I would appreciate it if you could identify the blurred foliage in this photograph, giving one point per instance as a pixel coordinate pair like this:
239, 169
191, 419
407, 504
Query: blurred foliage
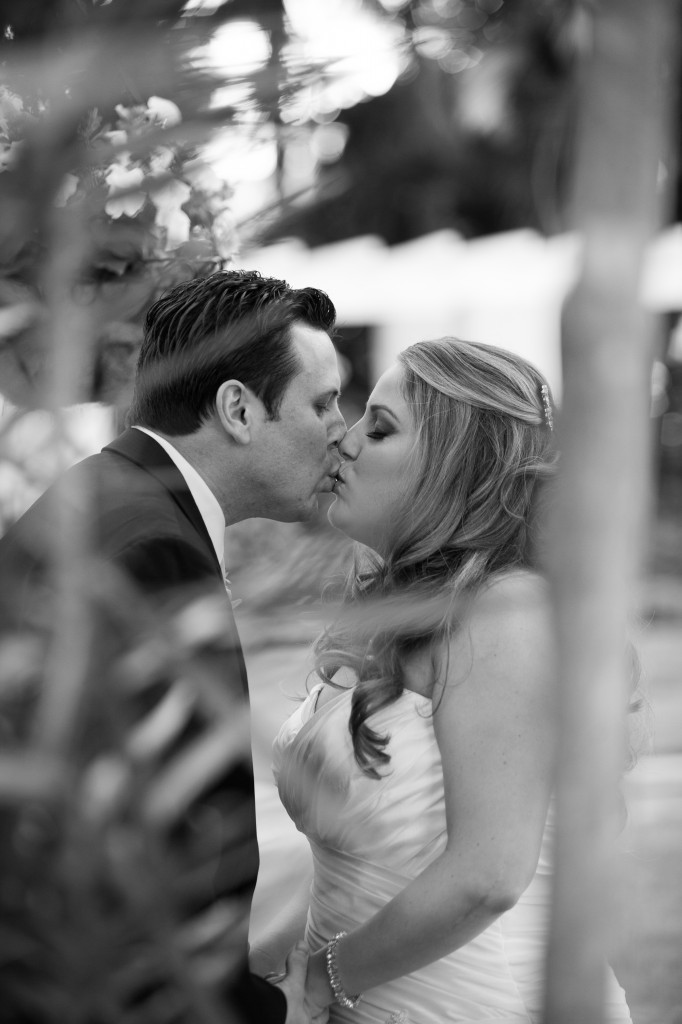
278, 573
666, 547
113, 832
156, 215
115, 722
105, 109
475, 135
72, 153
104, 113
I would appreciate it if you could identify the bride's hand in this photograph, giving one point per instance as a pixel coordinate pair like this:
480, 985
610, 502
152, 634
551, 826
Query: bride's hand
319, 994
293, 984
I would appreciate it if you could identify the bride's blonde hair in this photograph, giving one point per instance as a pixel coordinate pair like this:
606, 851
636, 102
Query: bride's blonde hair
469, 513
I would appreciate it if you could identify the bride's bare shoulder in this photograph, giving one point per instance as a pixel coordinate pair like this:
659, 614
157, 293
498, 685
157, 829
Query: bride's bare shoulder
515, 593
508, 611
512, 610
505, 635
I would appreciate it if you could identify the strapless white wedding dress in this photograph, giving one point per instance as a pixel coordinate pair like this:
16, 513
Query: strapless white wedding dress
370, 838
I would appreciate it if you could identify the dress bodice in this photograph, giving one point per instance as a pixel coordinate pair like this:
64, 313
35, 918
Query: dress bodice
336, 804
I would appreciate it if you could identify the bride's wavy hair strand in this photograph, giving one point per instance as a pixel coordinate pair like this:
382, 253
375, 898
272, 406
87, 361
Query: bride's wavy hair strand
483, 447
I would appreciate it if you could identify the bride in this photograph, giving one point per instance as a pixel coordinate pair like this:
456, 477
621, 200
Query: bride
419, 767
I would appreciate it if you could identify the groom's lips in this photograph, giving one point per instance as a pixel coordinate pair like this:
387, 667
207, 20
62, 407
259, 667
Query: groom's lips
331, 479
335, 476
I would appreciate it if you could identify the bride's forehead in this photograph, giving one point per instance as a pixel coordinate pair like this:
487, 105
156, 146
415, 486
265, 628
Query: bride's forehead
389, 386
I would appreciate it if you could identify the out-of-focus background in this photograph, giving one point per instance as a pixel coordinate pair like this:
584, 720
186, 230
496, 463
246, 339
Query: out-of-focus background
413, 158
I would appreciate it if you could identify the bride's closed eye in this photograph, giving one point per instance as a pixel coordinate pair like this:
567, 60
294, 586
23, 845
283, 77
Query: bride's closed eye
377, 430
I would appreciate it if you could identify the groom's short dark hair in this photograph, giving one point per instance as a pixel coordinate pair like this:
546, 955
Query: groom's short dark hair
233, 324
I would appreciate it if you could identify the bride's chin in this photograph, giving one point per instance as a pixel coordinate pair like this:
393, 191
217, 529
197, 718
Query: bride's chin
349, 530
332, 511
337, 520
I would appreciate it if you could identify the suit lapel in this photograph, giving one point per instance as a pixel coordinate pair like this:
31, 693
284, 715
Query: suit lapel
143, 450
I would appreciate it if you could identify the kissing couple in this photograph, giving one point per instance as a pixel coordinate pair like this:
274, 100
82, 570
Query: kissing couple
420, 764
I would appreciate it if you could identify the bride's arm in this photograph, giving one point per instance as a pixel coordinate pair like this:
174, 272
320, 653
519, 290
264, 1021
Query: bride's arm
493, 726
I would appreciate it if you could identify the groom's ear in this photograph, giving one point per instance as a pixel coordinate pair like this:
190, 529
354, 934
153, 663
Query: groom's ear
234, 405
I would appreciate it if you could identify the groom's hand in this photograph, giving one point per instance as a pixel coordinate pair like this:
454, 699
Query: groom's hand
293, 986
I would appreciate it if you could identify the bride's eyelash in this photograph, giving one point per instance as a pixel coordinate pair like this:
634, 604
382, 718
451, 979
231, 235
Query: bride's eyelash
376, 435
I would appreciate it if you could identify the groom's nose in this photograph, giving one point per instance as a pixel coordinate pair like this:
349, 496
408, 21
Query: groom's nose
338, 431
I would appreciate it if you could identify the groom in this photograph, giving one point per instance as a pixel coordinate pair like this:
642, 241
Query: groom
234, 415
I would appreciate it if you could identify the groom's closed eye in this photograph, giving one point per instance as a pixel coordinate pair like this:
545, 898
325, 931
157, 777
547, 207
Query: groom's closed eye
325, 401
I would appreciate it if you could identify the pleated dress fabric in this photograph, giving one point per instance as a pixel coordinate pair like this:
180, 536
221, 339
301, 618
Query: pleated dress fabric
370, 838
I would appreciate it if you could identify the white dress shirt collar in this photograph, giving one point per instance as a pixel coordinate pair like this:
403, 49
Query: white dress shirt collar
205, 499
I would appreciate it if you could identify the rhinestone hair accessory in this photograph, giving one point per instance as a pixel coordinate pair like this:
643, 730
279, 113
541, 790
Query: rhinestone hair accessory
547, 407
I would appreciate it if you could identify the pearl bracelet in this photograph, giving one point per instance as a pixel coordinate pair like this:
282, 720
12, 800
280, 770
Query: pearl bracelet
342, 997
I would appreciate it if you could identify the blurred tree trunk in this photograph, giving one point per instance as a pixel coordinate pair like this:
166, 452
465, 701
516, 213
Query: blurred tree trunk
598, 526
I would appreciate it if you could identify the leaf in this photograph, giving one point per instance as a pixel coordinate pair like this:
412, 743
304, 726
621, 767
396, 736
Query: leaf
91, 124
197, 768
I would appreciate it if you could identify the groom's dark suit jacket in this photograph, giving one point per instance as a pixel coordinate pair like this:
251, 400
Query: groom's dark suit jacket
142, 519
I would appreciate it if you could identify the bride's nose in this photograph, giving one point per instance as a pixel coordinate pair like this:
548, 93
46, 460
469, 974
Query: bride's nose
349, 445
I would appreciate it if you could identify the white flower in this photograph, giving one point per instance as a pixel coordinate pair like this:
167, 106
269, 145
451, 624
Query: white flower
177, 225
203, 176
164, 111
10, 105
117, 137
168, 199
161, 159
66, 189
121, 178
